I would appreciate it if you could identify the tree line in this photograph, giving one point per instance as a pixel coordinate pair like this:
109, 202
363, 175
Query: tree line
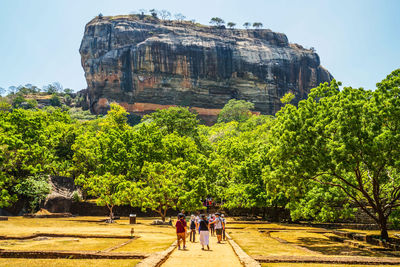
335, 151
166, 15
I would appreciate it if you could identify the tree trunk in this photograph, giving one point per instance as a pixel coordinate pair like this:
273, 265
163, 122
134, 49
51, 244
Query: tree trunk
164, 215
110, 208
263, 216
276, 213
383, 228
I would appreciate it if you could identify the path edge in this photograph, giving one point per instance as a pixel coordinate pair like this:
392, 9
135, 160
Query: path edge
158, 258
244, 258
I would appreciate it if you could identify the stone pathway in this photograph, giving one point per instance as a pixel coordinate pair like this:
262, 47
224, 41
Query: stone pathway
219, 255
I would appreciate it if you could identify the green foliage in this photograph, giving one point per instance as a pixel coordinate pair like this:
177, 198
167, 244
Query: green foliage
236, 110
153, 12
217, 21
18, 100
175, 119
165, 185
345, 139
31, 104
236, 164
55, 100
81, 115
76, 196
337, 150
35, 188
257, 25
4, 104
247, 25
30, 142
231, 25
287, 98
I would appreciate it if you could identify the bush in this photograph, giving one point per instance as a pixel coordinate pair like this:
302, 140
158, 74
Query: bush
55, 101
35, 189
76, 196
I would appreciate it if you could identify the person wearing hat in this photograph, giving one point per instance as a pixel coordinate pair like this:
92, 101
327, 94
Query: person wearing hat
219, 226
181, 229
204, 234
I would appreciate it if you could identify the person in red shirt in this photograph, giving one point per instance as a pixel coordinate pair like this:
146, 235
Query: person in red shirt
181, 230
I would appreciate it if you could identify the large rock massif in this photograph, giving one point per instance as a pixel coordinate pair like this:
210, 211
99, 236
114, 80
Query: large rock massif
145, 64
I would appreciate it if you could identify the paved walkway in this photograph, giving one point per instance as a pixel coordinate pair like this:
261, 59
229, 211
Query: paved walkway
219, 255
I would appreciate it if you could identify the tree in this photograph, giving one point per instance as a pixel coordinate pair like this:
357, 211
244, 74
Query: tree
35, 188
12, 89
179, 17
170, 184
153, 13
175, 119
231, 25
236, 164
247, 25
257, 25
142, 13
236, 110
26, 149
17, 101
55, 100
68, 91
217, 21
105, 188
345, 139
53, 88
31, 104
105, 156
2, 91
164, 14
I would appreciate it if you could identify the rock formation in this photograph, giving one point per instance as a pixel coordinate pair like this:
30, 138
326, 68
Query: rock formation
145, 64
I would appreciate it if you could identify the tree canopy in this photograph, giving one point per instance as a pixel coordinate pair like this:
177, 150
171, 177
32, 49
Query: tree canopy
333, 153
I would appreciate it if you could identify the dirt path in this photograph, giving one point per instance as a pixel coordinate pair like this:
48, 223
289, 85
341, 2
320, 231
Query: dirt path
219, 255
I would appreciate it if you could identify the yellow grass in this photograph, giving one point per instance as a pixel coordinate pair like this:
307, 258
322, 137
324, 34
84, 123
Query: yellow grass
151, 238
256, 243
65, 243
300, 241
321, 244
66, 263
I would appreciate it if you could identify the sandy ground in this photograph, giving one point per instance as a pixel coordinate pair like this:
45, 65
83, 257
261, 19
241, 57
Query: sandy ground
219, 255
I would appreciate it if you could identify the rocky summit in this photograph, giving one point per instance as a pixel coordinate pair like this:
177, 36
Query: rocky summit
145, 64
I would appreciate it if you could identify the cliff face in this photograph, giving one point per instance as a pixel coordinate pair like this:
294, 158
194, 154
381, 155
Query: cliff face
145, 65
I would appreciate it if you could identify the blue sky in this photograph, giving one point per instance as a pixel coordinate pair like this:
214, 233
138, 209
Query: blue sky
358, 41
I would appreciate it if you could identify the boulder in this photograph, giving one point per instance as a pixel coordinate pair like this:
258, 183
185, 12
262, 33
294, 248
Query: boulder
146, 65
60, 198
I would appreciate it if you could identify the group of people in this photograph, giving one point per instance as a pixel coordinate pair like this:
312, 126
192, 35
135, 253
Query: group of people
202, 224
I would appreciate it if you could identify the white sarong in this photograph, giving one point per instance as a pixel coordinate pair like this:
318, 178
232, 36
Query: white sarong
204, 238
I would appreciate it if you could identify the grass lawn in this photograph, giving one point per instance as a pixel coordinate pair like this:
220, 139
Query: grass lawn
290, 240
150, 238
67, 263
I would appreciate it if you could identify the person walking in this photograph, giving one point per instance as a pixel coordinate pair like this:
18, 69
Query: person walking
204, 233
212, 226
193, 227
224, 222
219, 226
181, 230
